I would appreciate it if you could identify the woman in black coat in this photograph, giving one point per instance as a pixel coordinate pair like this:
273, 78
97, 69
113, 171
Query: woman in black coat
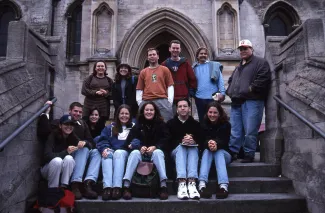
124, 88
216, 130
147, 139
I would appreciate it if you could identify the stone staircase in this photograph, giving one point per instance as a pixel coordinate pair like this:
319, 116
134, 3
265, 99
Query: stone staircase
254, 188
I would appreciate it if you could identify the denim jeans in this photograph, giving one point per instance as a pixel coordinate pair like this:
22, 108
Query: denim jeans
56, 168
186, 160
201, 106
81, 156
158, 158
113, 168
221, 159
245, 121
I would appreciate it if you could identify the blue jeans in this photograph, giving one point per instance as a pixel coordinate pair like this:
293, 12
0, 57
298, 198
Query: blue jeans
201, 106
245, 121
158, 158
186, 160
113, 168
221, 159
81, 156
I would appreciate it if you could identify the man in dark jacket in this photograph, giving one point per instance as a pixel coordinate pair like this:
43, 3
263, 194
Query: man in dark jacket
185, 137
182, 72
248, 87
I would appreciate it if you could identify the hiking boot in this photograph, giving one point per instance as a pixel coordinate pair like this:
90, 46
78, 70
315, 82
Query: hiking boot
107, 195
163, 195
127, 194
234, 156
75, 190
247, 159
221, 193
182, 191
194, 194
204, 193
89, 193
116, 194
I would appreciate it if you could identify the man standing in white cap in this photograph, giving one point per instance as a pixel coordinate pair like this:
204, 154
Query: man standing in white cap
248, 87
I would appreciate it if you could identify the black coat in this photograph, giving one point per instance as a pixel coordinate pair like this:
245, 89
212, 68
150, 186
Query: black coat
56, 145
178, 130
156, 134
217, 132
129, 94
250, 81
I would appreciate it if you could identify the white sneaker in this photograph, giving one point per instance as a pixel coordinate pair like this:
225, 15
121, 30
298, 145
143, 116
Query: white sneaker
182, 191
194, 194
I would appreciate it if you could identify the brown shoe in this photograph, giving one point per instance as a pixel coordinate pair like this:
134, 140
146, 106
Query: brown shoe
89, 193
163, 195
107, 194
75, 190
127, 194
116, 194
221, 193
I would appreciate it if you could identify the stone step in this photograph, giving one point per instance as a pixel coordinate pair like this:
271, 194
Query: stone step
255, 169
255, 185
243, 203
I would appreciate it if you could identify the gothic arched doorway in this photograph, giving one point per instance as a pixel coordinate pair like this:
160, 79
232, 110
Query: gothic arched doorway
157, 29
161, 43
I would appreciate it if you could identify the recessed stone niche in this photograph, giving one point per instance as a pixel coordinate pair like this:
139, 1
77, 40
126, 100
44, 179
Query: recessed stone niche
102, 29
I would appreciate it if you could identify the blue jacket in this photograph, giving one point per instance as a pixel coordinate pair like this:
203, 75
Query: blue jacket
108, 140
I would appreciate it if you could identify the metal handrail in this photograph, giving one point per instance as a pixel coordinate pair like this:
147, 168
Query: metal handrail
22, 127
303, 119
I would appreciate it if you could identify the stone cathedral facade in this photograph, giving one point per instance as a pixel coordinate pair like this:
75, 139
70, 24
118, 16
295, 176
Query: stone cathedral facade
80, 32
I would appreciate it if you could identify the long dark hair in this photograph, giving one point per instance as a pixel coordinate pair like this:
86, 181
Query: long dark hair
118, 76
87, 117
118, 126
223, 117
157, 116
94, 68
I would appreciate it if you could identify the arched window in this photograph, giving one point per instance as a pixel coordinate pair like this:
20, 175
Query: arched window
74, 16
8, 12
280, 19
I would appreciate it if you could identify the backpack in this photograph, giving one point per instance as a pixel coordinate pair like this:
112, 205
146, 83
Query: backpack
145, 181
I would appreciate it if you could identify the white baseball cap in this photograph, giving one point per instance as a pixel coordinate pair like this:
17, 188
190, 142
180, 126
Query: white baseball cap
245, 43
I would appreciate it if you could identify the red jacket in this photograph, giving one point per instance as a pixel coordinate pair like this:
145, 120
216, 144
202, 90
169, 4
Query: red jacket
184, 78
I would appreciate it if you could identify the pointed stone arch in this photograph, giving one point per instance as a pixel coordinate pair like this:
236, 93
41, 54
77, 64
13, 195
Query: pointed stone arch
284, 13
162, 20
12, 5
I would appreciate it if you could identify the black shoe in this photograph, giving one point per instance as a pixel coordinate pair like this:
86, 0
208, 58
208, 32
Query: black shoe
234, 156
247, 159
204, 193
127, 195
163, 194
75, 190
221, 193
89, 193
107, 194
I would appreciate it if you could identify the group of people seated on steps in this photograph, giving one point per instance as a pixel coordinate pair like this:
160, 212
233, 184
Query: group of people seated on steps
152, 120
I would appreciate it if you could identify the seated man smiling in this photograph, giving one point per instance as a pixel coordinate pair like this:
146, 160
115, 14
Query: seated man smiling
185, 137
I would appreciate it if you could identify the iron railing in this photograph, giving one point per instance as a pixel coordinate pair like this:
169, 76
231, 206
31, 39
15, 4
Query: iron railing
23, 126
300, 117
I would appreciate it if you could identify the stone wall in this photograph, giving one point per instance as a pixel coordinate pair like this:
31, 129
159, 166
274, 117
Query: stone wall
298, 78
23, 90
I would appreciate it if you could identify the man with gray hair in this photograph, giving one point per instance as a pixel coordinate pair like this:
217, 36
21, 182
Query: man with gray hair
209, 81
248, 87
